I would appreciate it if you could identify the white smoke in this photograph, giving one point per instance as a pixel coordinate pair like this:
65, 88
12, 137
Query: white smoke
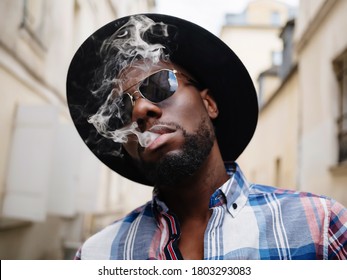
126, 46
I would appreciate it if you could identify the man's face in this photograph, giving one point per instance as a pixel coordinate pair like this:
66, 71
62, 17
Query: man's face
184, 126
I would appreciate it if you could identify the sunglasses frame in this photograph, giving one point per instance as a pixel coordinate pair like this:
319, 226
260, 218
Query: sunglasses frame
139, 94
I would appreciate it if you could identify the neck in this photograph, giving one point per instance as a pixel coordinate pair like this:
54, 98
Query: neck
190, 198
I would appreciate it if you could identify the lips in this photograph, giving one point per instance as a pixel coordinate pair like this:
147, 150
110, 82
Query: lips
162, 129
163, 133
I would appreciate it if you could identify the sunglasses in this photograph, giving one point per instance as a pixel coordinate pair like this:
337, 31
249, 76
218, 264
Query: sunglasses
155, 88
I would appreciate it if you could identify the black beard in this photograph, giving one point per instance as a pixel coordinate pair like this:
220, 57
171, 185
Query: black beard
172, 169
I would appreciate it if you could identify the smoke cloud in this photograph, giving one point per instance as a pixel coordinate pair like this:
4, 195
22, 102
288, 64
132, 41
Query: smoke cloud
130, 43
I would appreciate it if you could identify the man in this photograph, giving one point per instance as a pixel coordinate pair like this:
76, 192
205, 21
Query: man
165, 103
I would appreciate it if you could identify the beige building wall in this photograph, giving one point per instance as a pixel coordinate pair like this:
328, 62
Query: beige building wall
263, 12
296, 142
255, 39
320, 40
242, 40
271, 157
269, 88
53, 191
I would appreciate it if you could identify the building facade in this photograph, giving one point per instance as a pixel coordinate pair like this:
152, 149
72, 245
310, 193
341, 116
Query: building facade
300, 142
254, 35
321, 46
53, 191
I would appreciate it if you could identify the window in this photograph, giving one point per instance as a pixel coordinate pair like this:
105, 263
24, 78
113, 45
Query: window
276, 58
340, 65
275, 18
34, 22
28, 175
49, 171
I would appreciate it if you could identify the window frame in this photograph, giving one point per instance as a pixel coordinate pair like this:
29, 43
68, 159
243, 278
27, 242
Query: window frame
340, 68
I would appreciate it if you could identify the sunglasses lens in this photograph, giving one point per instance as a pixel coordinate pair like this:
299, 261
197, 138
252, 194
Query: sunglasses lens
159, 86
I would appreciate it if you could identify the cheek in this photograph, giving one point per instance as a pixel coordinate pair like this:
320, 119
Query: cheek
186, 109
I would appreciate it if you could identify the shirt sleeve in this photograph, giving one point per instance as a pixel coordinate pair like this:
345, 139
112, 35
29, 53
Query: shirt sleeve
337, 233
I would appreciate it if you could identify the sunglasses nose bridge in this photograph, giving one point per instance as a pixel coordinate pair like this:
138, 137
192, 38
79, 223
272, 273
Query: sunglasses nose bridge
134, 96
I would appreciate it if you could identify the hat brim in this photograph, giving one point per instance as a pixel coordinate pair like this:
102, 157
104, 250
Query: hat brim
200, 53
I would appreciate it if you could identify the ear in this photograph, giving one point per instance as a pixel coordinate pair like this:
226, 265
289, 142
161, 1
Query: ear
210, 103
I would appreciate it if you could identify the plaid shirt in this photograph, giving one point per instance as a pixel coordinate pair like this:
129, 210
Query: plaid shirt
247, 222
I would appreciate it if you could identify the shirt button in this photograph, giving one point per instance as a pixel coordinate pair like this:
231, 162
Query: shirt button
234, 206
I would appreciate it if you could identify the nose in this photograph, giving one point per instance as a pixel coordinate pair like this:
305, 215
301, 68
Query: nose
145, 113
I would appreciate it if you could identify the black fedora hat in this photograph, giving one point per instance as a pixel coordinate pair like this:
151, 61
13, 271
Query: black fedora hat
200, 53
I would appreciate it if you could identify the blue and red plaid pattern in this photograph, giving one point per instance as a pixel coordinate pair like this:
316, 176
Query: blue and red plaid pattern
248, 222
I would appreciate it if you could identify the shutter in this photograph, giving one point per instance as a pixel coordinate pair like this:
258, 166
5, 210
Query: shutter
30, 163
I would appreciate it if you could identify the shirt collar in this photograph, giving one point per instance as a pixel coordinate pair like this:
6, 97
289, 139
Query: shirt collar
235, 190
